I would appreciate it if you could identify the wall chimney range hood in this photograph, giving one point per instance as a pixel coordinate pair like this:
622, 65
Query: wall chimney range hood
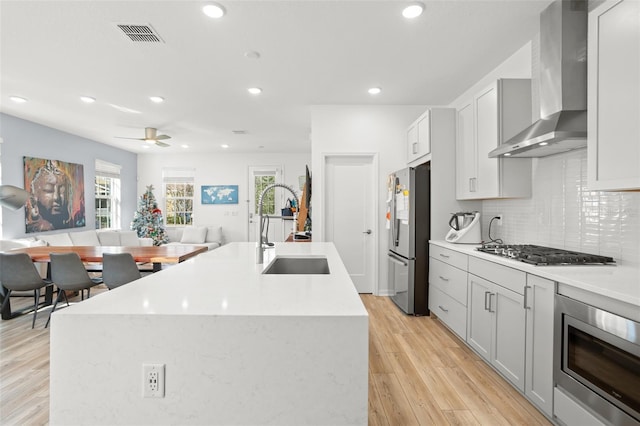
563, 86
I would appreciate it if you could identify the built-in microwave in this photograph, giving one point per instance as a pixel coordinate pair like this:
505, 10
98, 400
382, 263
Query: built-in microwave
597, 360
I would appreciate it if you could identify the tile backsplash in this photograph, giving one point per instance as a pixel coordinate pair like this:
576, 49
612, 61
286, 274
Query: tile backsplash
563, 213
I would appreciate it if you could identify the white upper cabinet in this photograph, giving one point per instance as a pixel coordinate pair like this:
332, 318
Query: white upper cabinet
419, 138
614, 96
493, 116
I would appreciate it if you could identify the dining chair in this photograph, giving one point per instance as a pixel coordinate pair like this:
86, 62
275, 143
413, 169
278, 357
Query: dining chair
119, 269
18, 273
69, 274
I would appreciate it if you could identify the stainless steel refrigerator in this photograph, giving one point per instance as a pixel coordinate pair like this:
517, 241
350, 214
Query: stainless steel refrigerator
409, 232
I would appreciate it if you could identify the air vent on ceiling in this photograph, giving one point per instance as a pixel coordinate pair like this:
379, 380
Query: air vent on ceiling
239, 132
140, 33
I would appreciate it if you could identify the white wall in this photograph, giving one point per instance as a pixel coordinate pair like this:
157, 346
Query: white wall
220, 169
361, 129
518, 65
25, 138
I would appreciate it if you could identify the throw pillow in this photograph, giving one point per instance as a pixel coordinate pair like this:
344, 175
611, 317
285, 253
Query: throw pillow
109, 238
129, 238
194, 235
85, 238
214, 234
57, 239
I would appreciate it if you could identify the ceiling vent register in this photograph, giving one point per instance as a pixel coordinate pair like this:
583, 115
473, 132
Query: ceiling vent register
140, 33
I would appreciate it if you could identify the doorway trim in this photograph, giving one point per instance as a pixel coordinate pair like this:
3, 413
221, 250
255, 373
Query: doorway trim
375, 201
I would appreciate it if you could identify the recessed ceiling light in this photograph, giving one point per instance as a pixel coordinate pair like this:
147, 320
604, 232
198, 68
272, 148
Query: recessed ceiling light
18, 99
156, 99
252, 55
87, 99
254, 90
543, 143
224, 145
213, 10
374, 90
413, 10
185, 146
508, 154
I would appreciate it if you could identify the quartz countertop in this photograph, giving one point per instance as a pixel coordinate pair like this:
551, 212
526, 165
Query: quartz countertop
227, 281
619, 282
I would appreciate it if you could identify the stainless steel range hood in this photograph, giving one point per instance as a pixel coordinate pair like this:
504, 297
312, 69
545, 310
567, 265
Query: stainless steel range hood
563, 85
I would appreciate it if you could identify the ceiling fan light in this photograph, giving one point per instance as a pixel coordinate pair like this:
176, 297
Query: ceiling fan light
413, 10
213, 10
150, 141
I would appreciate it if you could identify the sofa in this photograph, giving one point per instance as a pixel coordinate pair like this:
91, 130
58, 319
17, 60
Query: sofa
210, 236
93, 237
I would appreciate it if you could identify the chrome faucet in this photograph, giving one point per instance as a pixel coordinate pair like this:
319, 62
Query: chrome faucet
260, 247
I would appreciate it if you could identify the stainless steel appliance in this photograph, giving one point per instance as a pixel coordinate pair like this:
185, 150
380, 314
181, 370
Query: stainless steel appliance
409, 238
563, 85
597, 360
539, 255
465, 228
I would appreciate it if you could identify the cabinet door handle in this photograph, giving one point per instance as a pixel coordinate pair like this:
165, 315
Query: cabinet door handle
487, 301
470, 184
415, 147
443, 309
443, 278
444, 255
526, 293
490, 296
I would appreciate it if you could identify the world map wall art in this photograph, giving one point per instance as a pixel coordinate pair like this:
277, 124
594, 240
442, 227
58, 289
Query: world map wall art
219, 194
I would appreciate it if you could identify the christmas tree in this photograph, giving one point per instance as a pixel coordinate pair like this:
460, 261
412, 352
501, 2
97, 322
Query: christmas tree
147, 221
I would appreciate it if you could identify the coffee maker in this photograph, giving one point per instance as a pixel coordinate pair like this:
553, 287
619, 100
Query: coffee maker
465, 228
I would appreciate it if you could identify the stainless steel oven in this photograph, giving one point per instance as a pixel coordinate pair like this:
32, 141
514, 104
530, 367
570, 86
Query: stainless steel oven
597, 360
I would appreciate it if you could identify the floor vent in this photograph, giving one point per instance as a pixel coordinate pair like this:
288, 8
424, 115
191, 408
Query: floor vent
140, 33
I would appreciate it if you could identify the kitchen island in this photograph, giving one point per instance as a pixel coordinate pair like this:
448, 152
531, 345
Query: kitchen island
238, 346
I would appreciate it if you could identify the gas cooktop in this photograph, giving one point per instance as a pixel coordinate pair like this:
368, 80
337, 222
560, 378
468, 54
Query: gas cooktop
538, 255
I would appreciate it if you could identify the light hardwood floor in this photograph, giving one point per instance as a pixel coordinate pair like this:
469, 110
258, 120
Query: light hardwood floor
419, 374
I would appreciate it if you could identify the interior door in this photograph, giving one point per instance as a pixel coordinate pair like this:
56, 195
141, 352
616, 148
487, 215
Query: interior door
350, 215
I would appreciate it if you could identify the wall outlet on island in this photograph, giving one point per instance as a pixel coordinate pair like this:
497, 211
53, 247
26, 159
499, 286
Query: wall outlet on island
153, 380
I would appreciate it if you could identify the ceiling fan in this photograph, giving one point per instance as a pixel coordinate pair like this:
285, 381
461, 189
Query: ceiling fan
151, 136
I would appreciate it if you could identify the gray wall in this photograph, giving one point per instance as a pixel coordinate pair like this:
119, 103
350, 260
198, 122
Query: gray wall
25, 138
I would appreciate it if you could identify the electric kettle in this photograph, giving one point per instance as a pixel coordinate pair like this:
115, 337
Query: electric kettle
465, 228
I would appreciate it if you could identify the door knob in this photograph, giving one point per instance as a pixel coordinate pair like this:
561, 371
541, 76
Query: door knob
368, 231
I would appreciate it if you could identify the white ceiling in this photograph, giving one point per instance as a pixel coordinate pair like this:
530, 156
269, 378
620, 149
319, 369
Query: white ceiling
312, 53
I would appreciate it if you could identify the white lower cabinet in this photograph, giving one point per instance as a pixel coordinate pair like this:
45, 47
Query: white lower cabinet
506, 315
539, 304
495, 327
448, 288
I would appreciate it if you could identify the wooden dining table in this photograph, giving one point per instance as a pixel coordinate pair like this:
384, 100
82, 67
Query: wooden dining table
156, 255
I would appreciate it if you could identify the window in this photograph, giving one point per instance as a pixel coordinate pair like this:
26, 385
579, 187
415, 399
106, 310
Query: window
178, 196
269, 201
107, 195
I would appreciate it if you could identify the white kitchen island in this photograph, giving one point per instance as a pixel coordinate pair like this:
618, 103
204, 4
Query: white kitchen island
239, 347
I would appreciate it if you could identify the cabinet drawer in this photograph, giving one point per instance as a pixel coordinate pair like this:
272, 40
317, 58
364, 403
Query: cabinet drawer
450, 312
509, 278
451, 257
449, 279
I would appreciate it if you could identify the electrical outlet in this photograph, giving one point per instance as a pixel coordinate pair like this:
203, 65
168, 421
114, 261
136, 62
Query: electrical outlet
153, 380
499, 219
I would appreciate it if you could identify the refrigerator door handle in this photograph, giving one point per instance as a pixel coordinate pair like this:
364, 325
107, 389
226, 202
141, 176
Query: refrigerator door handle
397, 261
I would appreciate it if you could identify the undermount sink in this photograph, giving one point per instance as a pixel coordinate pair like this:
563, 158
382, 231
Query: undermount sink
298, 265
